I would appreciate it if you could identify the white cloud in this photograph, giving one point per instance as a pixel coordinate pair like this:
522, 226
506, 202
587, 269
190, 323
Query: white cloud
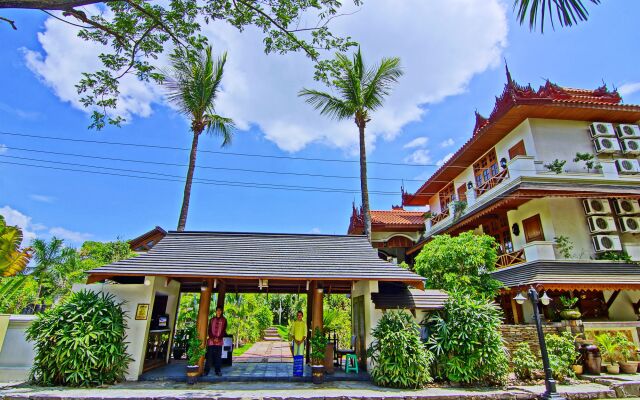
447, 143
16, 218
71, 236
444, 159
439, 59
42, 198
629, 88
420, 156
417, 142
18, 112
3, 148
315, 231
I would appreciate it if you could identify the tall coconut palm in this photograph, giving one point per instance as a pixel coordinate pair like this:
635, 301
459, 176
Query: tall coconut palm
193, 84
567, 12
51, 265
360, 91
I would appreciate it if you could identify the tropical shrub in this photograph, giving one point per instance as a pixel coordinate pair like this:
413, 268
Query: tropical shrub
195, 348
524, 362
466, 341
400, 359
562, 355
318, 344
460, 264
626, 347
337, 318
609, 348
16, 293
556, 166
81, 342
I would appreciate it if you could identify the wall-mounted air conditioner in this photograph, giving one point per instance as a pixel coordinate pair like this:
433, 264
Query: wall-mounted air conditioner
629, 224
596, 206
630, 146
628, 131
626, 206
606, 145
598, 129
601, 224
628, 166
606, 243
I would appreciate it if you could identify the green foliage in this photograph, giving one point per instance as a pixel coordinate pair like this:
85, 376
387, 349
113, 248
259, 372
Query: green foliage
81, 342
614, 256
556, 166
524, 362
96, 254
458, 208
564, 245
460, 264
566, 12
568, 303
337, 318
289, 304
318, 344
589, 159
248, 315
399, 357
626, 347
195, 348
13, 259
16, 293
562, 354
609, 347
467, 342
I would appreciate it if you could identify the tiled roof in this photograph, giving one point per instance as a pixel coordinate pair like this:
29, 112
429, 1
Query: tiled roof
397, 296
397, 217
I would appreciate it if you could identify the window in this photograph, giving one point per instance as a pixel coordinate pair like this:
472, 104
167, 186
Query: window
446, 196
462, 192
533, 229
486, 167
517, 150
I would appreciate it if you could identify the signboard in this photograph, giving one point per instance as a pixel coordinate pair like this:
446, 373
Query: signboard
142, 311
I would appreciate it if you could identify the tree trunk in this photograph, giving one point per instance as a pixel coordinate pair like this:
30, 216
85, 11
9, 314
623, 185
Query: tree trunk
182, 222
363, 182
48, 4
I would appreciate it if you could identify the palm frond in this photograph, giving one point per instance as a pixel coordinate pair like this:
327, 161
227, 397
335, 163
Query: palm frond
566, 12
328, 105
221, 126
379, 82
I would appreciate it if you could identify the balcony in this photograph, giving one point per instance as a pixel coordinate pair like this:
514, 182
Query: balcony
493, 182
440, 217
509, 259
534, 251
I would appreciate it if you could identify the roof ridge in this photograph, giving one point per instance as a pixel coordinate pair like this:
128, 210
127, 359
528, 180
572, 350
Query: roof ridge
230, 233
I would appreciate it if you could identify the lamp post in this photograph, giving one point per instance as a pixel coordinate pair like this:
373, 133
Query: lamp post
549, 382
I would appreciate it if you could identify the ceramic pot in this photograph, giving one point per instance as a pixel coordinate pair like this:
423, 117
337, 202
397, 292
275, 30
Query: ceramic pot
572, 314
613, 369
628, 367
193, 371
578, 369
317, 374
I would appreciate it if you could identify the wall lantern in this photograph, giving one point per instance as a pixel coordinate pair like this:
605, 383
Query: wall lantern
503, 163
469, 185
515, 229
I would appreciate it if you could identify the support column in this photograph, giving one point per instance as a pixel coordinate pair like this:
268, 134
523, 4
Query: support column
203, 316
514, 308
316, 322
222, 291
312, 287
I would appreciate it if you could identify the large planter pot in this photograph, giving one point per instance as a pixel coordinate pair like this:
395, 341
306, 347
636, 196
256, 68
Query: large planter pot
178, 353
317, 374
193, 371
572, 314
613, 369
577, 369
628, 367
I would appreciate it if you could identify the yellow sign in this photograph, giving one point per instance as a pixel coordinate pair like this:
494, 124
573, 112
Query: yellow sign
141, 311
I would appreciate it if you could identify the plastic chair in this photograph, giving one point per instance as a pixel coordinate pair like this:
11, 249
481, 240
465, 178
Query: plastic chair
351, 363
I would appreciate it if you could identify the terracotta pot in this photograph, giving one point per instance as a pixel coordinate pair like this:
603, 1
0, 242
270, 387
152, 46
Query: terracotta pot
317, 374
193, 371
613, 369
572, 314
628, 367
578, 369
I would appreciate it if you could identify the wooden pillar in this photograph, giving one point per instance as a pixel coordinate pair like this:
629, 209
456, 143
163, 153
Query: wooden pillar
312, 286
222, 291
203, 316
514, 308
316, 321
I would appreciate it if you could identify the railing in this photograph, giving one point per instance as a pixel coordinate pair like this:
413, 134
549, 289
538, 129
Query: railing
439, 217
509, 259
493, 182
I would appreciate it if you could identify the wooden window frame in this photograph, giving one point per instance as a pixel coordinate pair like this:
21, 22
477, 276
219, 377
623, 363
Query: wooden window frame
526, 221
517, 149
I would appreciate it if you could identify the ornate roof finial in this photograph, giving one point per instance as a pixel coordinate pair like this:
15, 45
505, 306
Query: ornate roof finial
480, 122
506, 67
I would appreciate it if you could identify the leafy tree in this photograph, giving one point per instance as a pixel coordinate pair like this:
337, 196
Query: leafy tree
566, 12
97, 254
52, 262
361, 91
399, 357
524, 362
16, 293
562, 354
193, 84
248, 315
337, 318
13, 259
460, 264
135, 33
467, 342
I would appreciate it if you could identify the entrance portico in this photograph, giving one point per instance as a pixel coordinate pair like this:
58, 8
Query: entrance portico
221, 262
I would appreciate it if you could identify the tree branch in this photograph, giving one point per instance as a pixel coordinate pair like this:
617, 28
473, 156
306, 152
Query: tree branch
157, 21
83, 17
48, 4
67, 22
10, 22
134, 50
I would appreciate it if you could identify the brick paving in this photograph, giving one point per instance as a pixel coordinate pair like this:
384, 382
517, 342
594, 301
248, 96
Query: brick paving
267, 351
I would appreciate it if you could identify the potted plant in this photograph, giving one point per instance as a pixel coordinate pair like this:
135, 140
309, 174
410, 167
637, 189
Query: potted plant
556, 166
318, 347
195, 350
577, 366
569, 310
626, 349
179, 344
610, 352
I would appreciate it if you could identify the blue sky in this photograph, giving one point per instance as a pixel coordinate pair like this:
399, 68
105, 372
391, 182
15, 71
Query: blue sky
453, 57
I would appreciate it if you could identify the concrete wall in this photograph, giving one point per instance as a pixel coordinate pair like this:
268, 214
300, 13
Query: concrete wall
622, 308
562, 140
16, 354
529, 209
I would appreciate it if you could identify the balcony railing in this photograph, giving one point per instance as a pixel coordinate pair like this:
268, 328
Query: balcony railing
509, 259
440, 217
493, 182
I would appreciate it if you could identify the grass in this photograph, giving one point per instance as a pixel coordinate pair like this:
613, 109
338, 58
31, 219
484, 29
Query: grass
240, 350
283, 331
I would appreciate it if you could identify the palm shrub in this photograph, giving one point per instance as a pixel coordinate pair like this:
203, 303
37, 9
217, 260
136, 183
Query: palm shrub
400, 359
318, 344
562, 354
81, 342
467, 342
524, 362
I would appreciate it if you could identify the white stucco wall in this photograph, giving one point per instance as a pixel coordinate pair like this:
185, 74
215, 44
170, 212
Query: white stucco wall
520, 132
16, 354
622, 309
529, 209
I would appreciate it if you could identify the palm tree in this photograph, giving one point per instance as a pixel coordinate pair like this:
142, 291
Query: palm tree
13, 259
52, 260
360, 91
193, 84
567, 12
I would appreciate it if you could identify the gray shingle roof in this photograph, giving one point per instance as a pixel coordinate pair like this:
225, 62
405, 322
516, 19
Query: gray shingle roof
570, 273
261, 255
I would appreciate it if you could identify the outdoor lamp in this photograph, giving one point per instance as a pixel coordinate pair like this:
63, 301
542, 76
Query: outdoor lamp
469, 185
545, 299
503, 163
147, 282
520, 299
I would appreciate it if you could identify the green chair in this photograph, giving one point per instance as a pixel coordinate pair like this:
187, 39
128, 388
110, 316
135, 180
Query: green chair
351, 363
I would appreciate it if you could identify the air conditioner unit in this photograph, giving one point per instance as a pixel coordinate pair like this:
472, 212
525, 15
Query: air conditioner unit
628, 131
628, 166
598, 129
603, 243
629, 224
596, 206
601, 224
606, 145
626, 206
630, 146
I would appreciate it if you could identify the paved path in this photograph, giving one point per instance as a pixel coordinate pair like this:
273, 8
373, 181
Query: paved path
271, 351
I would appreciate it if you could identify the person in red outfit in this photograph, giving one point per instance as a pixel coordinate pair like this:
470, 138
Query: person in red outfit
217, 331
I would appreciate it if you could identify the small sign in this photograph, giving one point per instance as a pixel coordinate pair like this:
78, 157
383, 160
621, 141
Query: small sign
142, 311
